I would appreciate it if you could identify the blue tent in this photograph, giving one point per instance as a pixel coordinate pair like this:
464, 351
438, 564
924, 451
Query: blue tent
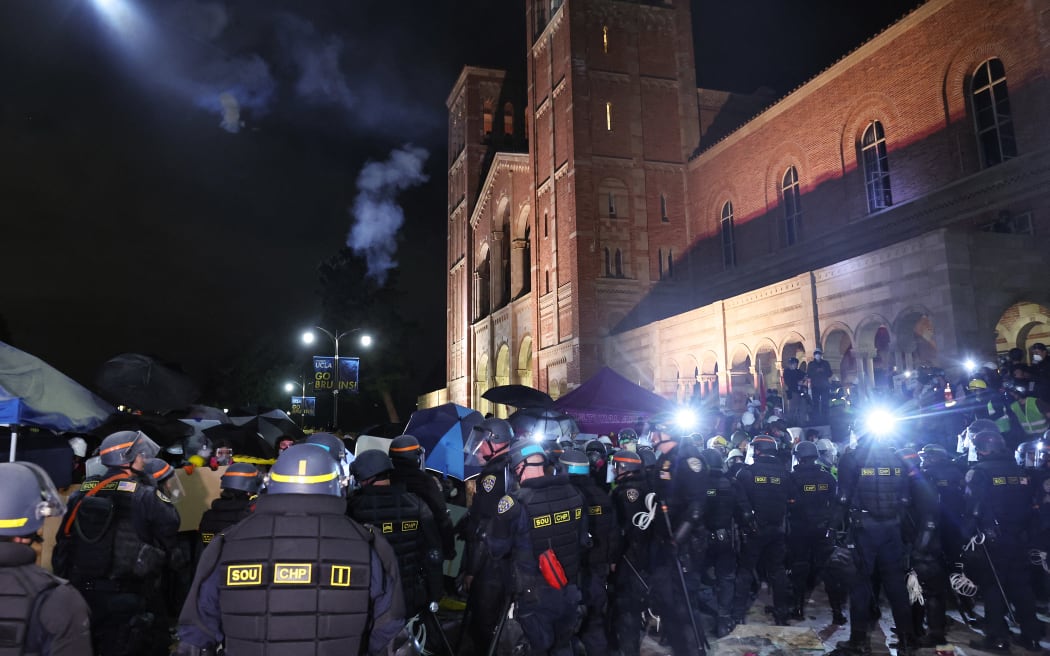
442, 430
32, 393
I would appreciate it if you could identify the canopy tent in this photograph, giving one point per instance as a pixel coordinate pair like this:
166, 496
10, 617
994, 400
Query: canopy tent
608, 402
32, 393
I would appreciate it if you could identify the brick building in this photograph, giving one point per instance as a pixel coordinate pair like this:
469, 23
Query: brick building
605, 211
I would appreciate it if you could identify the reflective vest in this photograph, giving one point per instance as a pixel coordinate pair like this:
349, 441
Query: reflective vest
1032, 421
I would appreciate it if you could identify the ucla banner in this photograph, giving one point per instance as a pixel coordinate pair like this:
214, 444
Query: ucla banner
327, 379
304, 405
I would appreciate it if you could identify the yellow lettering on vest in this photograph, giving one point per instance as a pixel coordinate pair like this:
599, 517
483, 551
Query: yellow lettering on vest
561, 517
867, 471
409, 526
341, 576
809, 488
896, 471
774, 480
823, 487
712, 493
541, 521
594, 510
760, 479
206, 537
884, 471
579, 512
999, 480
243, 574
1012, 480
292, 572
388, 527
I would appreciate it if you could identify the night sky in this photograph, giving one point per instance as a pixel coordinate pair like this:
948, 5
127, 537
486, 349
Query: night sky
140, 214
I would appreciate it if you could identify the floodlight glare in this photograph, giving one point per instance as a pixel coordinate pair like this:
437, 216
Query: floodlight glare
686, 419
308, 337
880, 421
970, 365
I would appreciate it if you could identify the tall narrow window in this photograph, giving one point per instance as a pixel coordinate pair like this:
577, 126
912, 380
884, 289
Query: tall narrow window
660, 262
605, 39
487, 110
612, 205
608, 116
670, 263
728, 247
547, 281
546, 225
876, 167
991, 111
619, 263
792, 206
608, 269
663, 208
508, 119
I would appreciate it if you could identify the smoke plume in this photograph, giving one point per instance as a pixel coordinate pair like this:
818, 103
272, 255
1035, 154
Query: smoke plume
377, 216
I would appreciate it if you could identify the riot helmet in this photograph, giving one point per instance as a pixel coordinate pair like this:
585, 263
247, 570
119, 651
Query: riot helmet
647, 455
335, 447
304, 469
626, 463
597, 453
932, 453
988, 443
806, 450
735, 455
522, 454
496, 433
627, 439
827, 450
162, 476
764, 445
909, 457
720, 444
406, 448
243, 477
575, 462
27, 498
120, 449
370, 464
713, 459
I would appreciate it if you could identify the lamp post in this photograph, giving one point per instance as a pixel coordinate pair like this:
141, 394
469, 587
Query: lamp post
365, 341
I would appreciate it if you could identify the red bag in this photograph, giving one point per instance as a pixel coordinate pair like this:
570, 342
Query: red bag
552, 570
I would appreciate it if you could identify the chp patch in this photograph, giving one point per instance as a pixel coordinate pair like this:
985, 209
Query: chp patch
488, 483
694, 464
505, 504
633, 494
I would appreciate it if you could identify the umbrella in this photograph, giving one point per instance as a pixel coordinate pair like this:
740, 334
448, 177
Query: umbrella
165, 431
244, 440
271, 424
205, 412
519, 396
543, 424
442, 430
143, 383
193, 442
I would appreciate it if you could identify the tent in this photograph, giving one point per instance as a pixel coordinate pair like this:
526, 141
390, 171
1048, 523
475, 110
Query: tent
32, 393
608, 402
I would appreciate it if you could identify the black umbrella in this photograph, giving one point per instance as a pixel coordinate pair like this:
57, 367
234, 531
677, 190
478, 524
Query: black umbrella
543, 424
165, 431
244, 440
519, 396
143, 383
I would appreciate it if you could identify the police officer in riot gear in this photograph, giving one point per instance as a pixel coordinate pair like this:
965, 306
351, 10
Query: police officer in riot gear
540, 531
604, 537
406, 523
486, 582
873, 487
679, 483
238, 486
297, 576
999, 508
335, 448
113, 543
726, 506
39, 613
767, 488
945, 480
631, 561
811, 507
407, 456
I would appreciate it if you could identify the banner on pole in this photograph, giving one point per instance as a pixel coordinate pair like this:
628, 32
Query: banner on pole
304, 405
327, 379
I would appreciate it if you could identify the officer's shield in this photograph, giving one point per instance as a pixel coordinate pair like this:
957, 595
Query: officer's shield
472, 448
171, 487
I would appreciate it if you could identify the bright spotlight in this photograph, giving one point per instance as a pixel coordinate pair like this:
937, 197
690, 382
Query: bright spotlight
970, 365
880, 421
308, 337
289, 387
686, 419
366, 340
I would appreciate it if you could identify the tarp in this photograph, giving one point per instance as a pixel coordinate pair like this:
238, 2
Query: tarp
608, 402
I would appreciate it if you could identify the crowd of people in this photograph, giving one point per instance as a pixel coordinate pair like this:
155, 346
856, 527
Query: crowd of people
568, 546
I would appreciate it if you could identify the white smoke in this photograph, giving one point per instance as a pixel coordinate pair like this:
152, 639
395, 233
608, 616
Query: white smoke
321, 80
377, 216
231, 112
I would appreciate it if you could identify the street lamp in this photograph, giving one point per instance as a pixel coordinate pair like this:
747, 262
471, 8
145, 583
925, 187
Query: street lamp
309, 337
290, 388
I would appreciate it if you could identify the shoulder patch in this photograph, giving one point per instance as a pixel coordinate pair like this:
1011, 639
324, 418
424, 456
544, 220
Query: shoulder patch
488, 483
505, 504
633, 494
694, 464
126, 486
162, 497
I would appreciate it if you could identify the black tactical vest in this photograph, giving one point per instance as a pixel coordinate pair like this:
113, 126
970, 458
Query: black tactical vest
881, 483
1007, 496
767, 486
554, 511
293, 583
491, 487
105, 544
946, 480
721, 502
396, 515
601, 520
815, 493
629, 499
20, 589
222, 514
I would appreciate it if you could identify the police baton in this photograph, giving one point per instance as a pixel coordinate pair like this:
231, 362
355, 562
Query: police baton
999, 583
494, 645
637, 574
698, 632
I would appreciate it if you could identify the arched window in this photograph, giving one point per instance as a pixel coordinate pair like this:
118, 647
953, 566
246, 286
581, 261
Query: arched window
991, 111
487, 111
663, 208
789, 189
728, 246
619, 263
876, 167
508, 120
608, 269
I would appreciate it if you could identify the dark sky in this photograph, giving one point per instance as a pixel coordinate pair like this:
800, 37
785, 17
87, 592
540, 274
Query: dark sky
133, 222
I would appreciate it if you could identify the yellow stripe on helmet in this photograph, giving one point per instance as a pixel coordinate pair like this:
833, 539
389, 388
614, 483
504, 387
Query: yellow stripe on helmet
302, 480
14, 523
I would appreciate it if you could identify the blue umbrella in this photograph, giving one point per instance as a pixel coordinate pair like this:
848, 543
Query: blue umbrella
442, 430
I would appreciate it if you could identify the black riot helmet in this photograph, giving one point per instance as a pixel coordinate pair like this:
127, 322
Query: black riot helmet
243, 477
806, 450
714, 459
371, 464
304, 469
523, 452
932, 453
27, 498
626, 463
989, 443
406, 447
575, 462
494, 431
764, 445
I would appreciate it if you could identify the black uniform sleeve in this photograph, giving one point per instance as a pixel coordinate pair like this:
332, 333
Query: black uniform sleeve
64, 616
388, 599
433, 556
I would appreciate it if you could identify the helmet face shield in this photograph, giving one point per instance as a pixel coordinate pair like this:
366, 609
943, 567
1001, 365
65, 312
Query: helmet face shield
479, 435
143, 446
172, 488
51, 503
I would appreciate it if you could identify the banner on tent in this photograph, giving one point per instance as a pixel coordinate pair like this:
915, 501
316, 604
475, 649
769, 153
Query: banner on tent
304, 405
327, 378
